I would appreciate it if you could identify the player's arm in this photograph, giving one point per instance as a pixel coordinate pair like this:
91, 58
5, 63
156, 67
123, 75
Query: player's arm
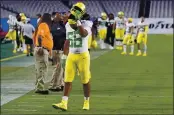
137, 32
146, 28
114, 26
65, 53
93, 33
22, 30
66, 47
82, 31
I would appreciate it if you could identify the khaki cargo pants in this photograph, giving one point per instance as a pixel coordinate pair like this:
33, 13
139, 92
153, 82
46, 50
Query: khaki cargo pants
58, 73
41, 67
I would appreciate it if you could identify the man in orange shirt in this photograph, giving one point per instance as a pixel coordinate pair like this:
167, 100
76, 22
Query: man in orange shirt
43, 45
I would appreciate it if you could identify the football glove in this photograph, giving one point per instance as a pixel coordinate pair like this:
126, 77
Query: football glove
94, 44
72, 19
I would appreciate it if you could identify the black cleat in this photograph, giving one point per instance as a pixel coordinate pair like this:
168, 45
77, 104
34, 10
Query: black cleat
31, 54
44, 92
55, 89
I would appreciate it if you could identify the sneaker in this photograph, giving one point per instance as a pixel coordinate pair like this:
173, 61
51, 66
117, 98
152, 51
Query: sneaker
123, 53
138, 54
86, 105
31, 54
62, 105
144, 54
14, 51
131, 53
111, 48
44, 92
25, 51
55, 89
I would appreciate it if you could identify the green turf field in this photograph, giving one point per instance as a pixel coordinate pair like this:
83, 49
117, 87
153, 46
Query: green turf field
120, 85
7, 50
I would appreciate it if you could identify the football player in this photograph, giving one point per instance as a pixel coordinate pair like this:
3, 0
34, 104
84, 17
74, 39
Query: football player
102, 30
12, 32
77, 35
119, 26
23, 21
142, 36
129, 38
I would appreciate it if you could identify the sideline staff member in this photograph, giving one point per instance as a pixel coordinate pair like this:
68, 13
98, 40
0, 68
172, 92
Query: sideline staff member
59, 36
43, 45
28, 30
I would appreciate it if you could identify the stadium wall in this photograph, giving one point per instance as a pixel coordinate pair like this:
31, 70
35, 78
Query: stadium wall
159, 25
156, 25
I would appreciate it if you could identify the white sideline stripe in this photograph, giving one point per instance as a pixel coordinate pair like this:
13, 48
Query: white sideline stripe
112, 96
17, 110
27, 105
40, 98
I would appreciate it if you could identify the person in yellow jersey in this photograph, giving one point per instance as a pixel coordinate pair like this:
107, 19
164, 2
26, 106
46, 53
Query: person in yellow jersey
12, 32
102, 29
129, 38
78, 56
119, 27
22, 22
142, 36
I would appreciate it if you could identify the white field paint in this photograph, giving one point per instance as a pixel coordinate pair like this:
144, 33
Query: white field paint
13, 88
21, 110
111, 96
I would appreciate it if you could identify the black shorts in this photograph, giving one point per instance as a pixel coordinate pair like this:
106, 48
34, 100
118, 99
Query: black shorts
28, 40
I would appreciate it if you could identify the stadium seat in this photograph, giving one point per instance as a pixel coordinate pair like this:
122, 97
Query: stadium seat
130, 8
32, 7
5, 13
158, 8
161, 9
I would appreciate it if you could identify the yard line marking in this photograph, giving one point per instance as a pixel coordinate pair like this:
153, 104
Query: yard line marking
28, 102
41, 98
112, 96
18, 110
13, 57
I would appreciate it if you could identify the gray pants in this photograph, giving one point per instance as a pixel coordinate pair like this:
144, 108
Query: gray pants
58, 73
41, 67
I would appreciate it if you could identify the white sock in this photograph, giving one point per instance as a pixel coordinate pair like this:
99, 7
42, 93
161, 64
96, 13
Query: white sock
132, 48
124, 48
104, 44
101, 44
121, 43
117, 43
24, 46
86, 98
65, 98
15, 44
145, 48
139, 51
